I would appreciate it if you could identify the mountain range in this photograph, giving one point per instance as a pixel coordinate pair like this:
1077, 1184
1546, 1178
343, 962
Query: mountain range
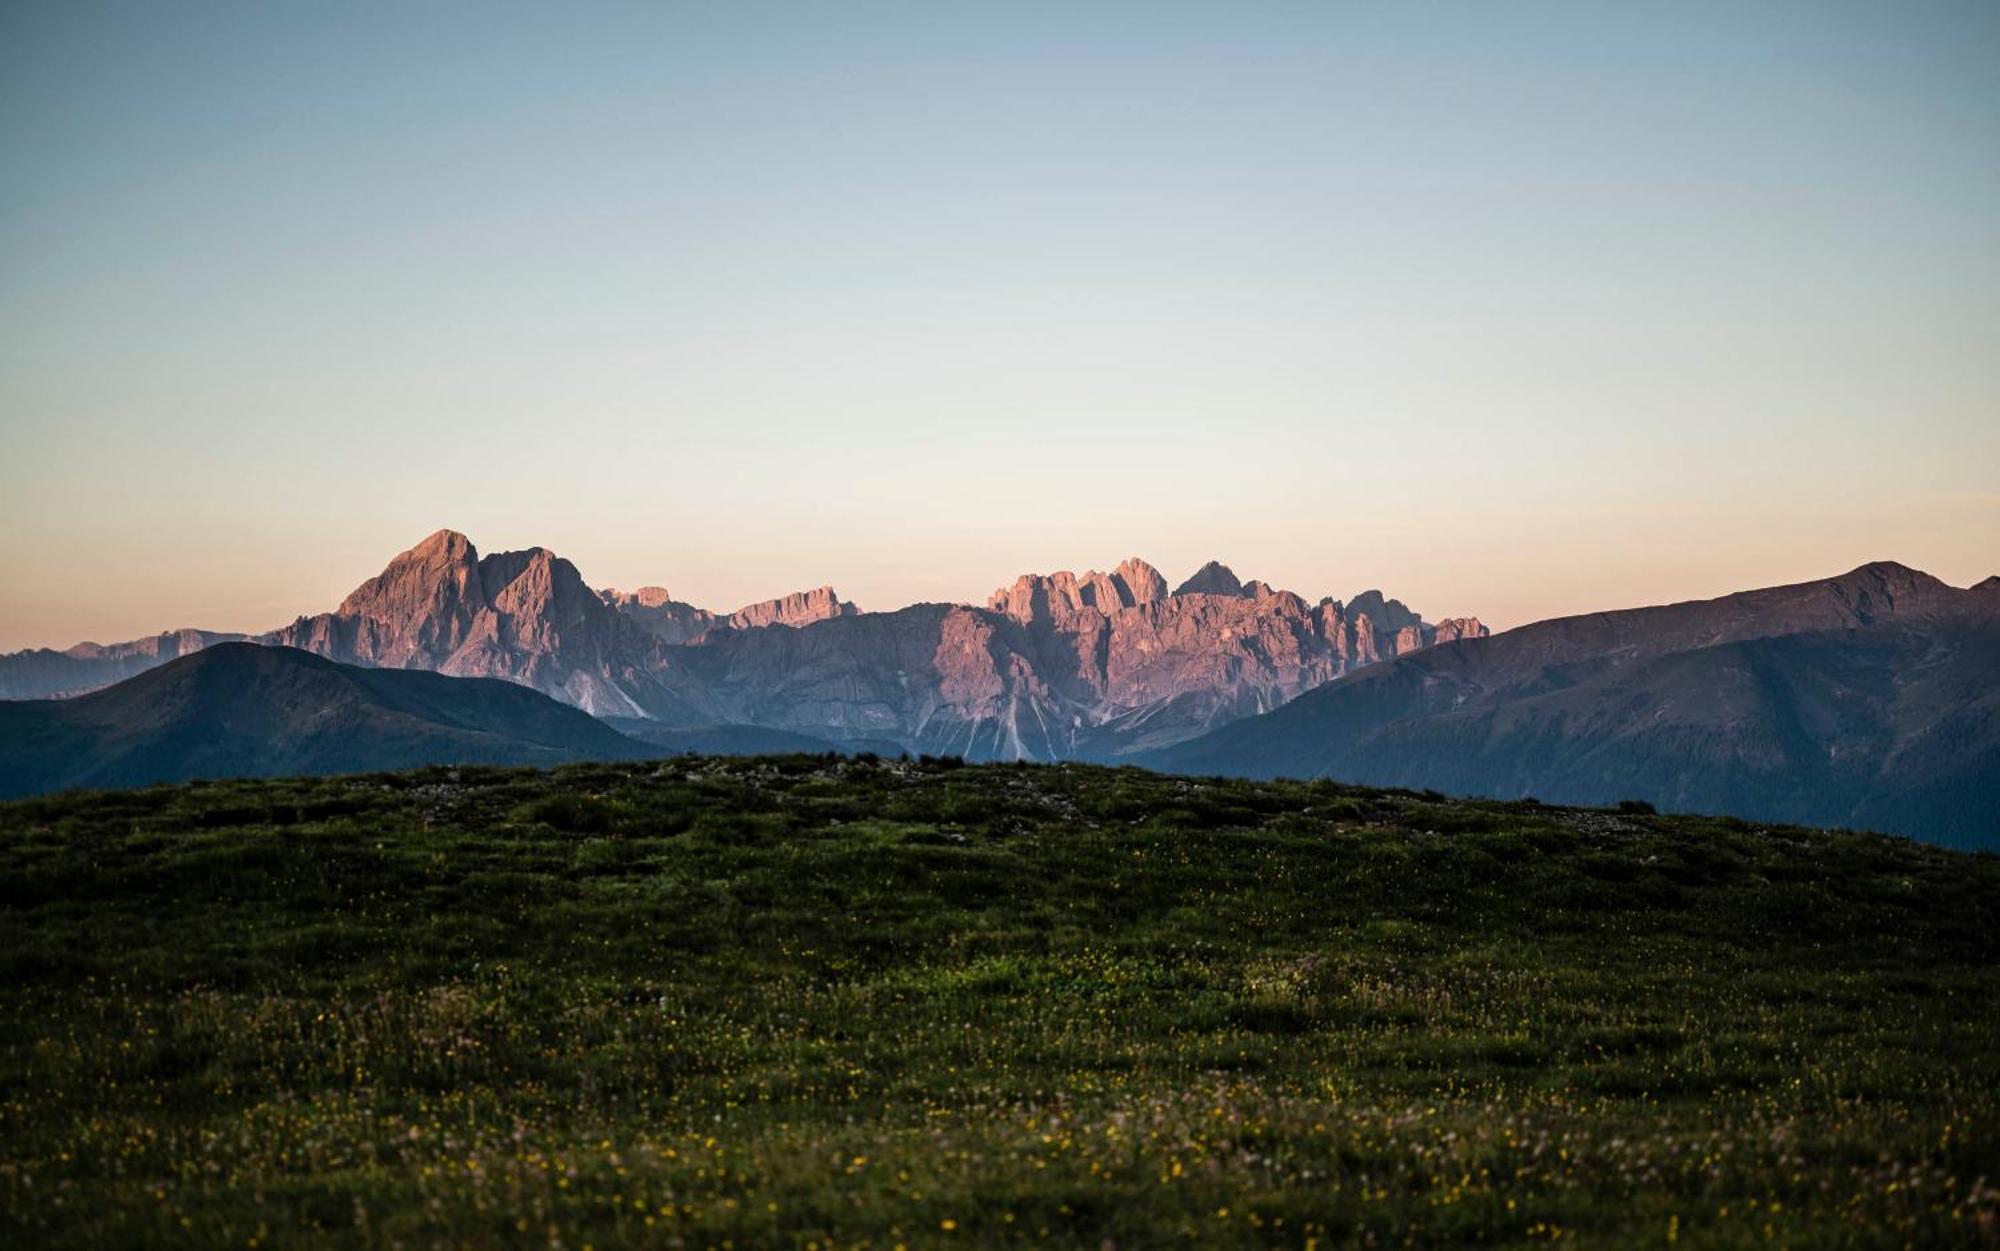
1869, 700
1057, 666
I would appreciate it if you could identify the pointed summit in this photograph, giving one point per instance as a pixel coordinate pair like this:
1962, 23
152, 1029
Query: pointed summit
1213, 578
1884, 588
1143, 583
432, 576
446, 540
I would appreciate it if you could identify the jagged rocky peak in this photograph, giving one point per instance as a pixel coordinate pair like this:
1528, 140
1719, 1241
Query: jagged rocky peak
537, 583
1387, 627
526, 616
434, 576
1452, 629
445, 542
797, 609
1271, 599
1388, 615
535, 563
1142, 583
1213, 578
1258, 589
644, 597
1330, 618
661, 616
1036, 596
447, 563
658, 615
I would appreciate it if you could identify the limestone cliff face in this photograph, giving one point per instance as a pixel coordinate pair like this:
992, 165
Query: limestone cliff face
1388, 615
939, 678
1133, 670
658, 615
1034, 597
1452, 629
797, 609
524, 616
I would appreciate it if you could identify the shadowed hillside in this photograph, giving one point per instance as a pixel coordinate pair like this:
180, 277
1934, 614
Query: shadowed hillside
1871, 700
805, 1001
239, 709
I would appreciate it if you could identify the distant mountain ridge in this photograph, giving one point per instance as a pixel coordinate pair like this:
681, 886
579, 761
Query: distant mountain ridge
244, 710
1870, 699
44, 673
1053, 667
664, 618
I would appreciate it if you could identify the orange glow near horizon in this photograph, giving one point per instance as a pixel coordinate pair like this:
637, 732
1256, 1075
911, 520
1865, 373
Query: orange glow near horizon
1514, 315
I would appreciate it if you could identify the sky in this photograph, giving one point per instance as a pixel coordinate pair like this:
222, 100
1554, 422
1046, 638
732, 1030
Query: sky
1510, 310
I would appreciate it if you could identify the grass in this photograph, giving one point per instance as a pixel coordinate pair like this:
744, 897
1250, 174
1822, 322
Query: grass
802, 1002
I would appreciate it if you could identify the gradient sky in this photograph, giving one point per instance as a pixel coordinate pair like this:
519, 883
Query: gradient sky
1514, 310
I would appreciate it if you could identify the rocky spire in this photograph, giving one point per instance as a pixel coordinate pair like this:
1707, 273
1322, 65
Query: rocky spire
1143, 583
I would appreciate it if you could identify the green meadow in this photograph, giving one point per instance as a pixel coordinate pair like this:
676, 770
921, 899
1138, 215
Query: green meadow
815, 1003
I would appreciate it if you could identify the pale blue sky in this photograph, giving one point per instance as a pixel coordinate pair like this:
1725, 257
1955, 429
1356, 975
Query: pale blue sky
1511, 310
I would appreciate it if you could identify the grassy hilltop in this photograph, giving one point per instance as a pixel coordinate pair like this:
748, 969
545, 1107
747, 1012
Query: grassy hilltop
802, 1002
